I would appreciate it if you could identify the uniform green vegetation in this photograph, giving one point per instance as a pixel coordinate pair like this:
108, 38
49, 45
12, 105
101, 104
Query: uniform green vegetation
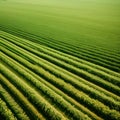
59, 60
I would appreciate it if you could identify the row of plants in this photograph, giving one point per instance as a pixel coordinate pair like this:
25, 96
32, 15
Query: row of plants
30, 110
5, 112
36, 99
79, 96
108, 77
57, 90
13, 105
86, 62
68, 109
71, 51
83, 46
84, 74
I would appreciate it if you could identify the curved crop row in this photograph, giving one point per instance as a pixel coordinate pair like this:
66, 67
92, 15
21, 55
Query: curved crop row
90, 102
84, 74
83, 56
50, 94
5, 112
50, 84
67, 79
38, 70
28, 107
65, 65
87, 57
38, 101
42, 88
100, 52
72, 58
83, 51
16, 108
79, 65
83, 82
83, 45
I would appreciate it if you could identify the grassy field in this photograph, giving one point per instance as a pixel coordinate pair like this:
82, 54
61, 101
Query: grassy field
59, 60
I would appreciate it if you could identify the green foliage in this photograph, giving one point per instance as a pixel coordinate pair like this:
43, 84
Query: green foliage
92, 104
19, 112
59, 59
5, 111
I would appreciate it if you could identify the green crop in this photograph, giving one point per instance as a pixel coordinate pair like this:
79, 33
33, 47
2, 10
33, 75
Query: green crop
59, 59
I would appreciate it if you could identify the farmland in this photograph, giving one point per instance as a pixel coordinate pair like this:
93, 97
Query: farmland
59, 60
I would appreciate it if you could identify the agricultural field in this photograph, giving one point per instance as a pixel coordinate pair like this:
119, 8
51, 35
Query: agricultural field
60, 60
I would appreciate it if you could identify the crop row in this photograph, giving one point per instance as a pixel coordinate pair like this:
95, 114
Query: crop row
38, 101
88, 97
14, 106
87, 76
56, 81
99, 51
80, 85
18, 96
82, 61
40, 49
87, 57
50, 94
76, 83
83, 55
49, 79
71, 60
5, 112
68, 67
101, 109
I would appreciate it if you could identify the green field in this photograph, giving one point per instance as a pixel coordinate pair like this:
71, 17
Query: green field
60, 60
